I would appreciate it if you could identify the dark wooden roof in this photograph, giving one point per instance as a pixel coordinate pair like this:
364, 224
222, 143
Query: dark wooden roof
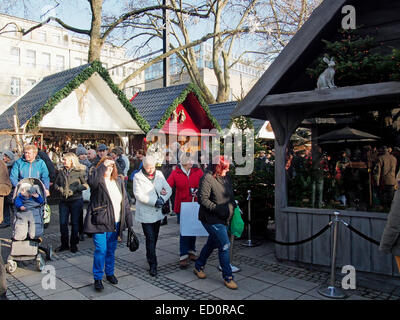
32, 101
156, 105
287, 73
222, 112
152, 104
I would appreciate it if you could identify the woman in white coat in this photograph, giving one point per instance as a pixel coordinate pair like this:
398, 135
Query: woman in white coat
151, 191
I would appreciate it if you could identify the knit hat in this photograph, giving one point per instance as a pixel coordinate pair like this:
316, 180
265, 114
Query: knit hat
102, 147
9, 154
80, 150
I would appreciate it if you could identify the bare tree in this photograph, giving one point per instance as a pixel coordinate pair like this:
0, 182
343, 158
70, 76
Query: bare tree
99, 32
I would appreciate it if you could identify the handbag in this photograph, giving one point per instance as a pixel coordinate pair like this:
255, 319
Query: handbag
132, 242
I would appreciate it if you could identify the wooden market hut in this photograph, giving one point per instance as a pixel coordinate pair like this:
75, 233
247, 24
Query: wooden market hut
182, 106
222, 113
285, 96
81, 104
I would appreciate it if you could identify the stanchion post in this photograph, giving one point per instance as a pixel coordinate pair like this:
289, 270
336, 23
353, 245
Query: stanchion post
249, 242
331, 291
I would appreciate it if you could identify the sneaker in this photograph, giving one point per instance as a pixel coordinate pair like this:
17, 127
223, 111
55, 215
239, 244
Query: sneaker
62, 248
112, 279
231, 284
200, 274
192, 257
183, 263
98, 285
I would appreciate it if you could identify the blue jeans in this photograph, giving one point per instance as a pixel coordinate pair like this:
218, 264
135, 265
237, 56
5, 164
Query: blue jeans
151, 231
217, 239
104, 253
187, 244
65, 209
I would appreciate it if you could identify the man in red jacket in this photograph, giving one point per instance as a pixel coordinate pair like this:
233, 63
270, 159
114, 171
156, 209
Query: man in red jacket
185, 179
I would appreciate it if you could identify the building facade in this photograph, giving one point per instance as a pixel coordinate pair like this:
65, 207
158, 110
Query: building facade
244, 74
25, 60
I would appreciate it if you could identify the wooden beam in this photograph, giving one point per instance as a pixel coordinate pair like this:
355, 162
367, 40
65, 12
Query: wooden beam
348, 95
308, 33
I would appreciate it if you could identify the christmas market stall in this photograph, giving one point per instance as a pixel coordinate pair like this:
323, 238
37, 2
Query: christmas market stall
179, 112
339, 79
79, 105
222, 112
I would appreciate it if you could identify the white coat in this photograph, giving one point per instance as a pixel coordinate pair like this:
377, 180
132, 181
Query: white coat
146, 196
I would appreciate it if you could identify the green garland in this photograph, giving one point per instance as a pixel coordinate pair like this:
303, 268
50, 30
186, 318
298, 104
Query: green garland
95, 66
182, 96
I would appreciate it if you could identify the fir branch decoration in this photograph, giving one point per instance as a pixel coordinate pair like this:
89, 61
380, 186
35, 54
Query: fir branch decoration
95, 66
180, 99
358, 62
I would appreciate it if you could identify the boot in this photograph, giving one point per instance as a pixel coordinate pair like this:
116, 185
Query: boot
229, 283
164, 221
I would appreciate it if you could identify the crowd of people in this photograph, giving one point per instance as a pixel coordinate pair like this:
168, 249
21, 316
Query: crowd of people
101, 177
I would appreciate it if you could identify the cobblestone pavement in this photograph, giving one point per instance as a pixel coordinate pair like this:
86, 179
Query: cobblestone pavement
261, 277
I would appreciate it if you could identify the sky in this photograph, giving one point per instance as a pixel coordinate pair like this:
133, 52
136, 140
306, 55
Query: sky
77, 14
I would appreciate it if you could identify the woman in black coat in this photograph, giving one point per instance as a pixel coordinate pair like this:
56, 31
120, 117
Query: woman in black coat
217, 204
70, 182
108, 215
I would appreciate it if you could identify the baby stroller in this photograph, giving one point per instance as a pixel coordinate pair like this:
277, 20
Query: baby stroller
29, 249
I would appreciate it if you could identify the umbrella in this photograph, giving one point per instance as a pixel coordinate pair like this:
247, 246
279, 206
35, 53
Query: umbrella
346, 134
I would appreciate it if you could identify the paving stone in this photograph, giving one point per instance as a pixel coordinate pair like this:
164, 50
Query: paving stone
253, 285
90, 293
298, 285
145, 292
205, 285
80, 260
269, 277
79, 279
225, 293
129, 281
59, 287
182, 276
33, 279
67, 295
280, 293
119, 295
167, 296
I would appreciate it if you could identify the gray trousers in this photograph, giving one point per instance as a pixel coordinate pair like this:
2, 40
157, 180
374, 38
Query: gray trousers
29, 223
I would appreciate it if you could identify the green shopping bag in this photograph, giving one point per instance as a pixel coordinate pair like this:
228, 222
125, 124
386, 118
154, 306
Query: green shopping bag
237, 224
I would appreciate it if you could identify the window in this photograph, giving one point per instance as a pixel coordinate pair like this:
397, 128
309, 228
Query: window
31, 82
42, 36
15, 56
31, 58
56, 38
60, 63
46, 61
78, 62
15, 87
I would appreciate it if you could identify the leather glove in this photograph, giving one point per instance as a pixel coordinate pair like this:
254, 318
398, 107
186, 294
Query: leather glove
159, 203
